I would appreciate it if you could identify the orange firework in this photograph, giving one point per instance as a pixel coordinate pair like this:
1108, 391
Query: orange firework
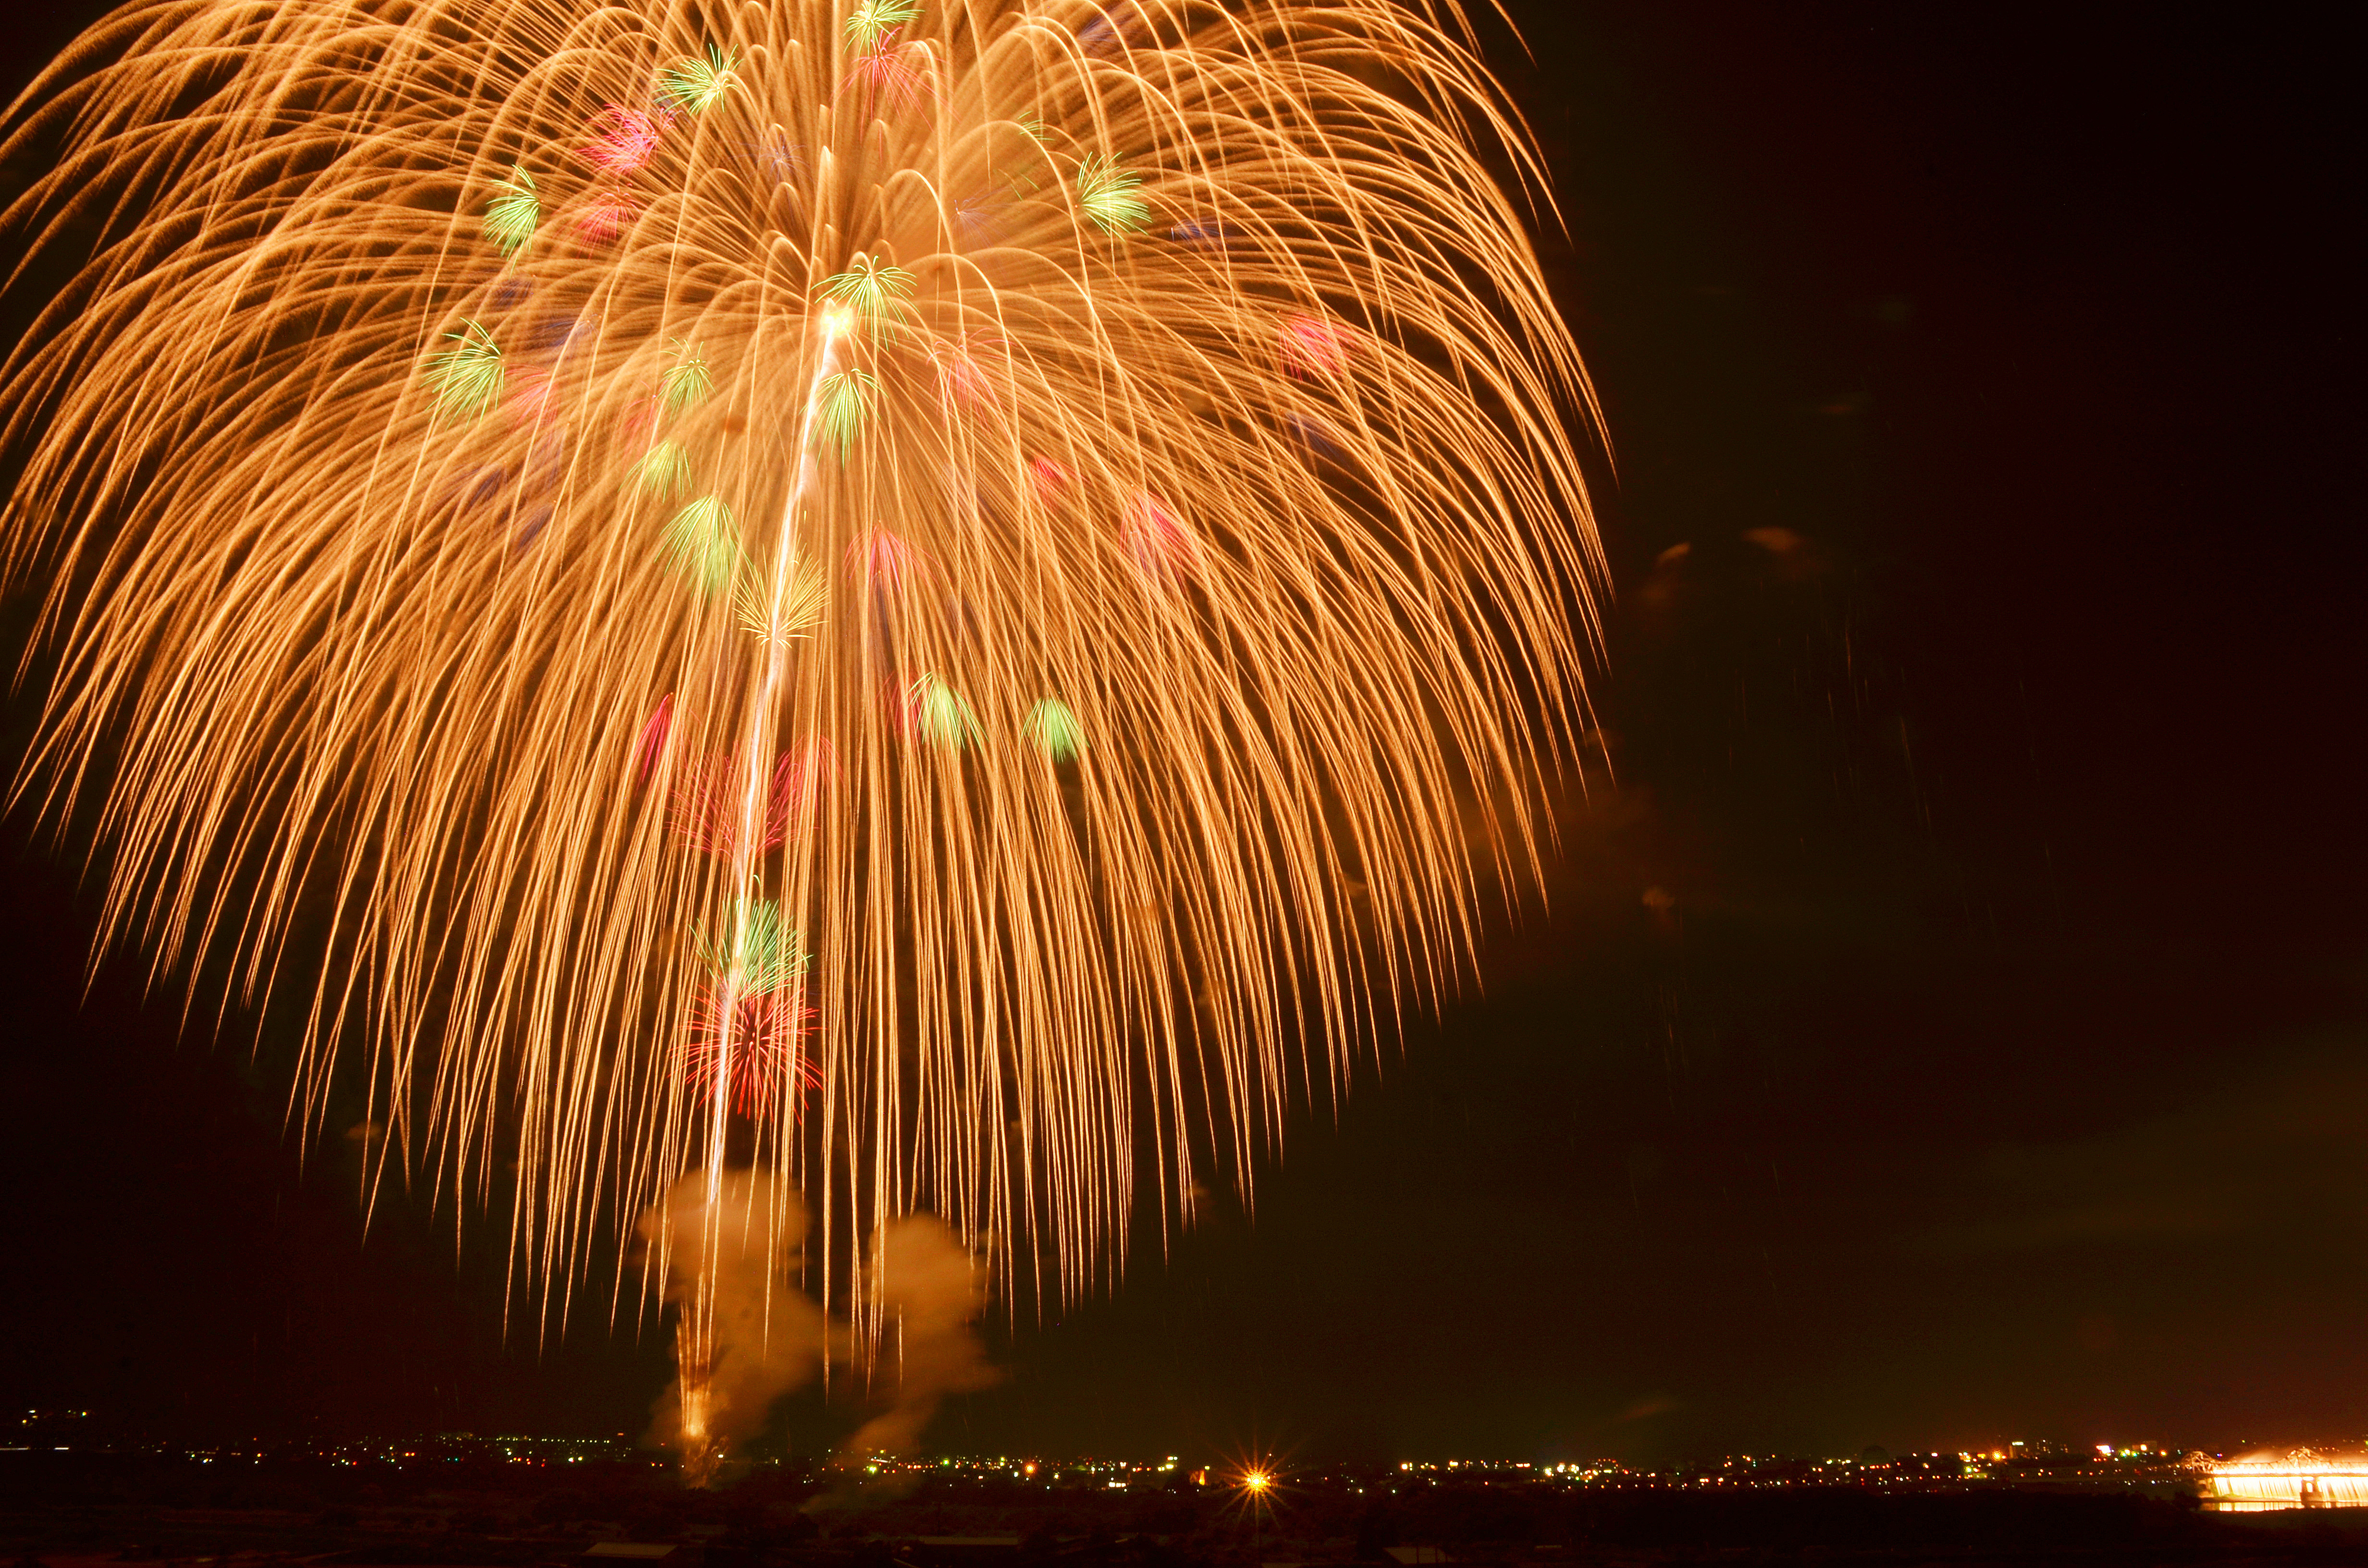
487, 439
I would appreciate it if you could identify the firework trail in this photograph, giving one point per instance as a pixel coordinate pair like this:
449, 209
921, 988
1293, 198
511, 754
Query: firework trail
947, 603
745, 1334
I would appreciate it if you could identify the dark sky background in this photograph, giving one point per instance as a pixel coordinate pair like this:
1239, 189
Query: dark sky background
1948, 1028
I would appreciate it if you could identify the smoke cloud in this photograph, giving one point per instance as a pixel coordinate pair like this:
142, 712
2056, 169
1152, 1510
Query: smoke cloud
769, 1336
930, 1290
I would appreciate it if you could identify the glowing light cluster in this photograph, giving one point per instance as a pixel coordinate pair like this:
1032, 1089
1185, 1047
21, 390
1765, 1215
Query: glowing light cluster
2295, 1478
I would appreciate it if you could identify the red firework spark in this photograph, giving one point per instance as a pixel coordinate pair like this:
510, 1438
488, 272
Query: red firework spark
651, 745
899, 74
607, 215
641, 417
769, 1030
707, 804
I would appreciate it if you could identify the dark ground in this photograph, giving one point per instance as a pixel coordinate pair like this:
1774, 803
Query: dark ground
68, 1511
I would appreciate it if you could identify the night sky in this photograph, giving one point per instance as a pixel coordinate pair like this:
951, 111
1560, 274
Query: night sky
1945, 1023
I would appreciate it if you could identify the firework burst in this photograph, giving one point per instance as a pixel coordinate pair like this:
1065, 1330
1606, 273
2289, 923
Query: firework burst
436, 472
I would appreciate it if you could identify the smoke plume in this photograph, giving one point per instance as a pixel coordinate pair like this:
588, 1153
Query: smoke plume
767, 1336
929, 1291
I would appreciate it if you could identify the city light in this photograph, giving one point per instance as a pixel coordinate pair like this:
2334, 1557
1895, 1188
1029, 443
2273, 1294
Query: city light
2260, 1481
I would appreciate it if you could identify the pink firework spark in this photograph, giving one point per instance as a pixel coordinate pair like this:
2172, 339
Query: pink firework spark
960, 379
1162, 546
530, 397
768, 1029
1312, 345
651, 745
1049, 478
884, 560
641, 417
623, 139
